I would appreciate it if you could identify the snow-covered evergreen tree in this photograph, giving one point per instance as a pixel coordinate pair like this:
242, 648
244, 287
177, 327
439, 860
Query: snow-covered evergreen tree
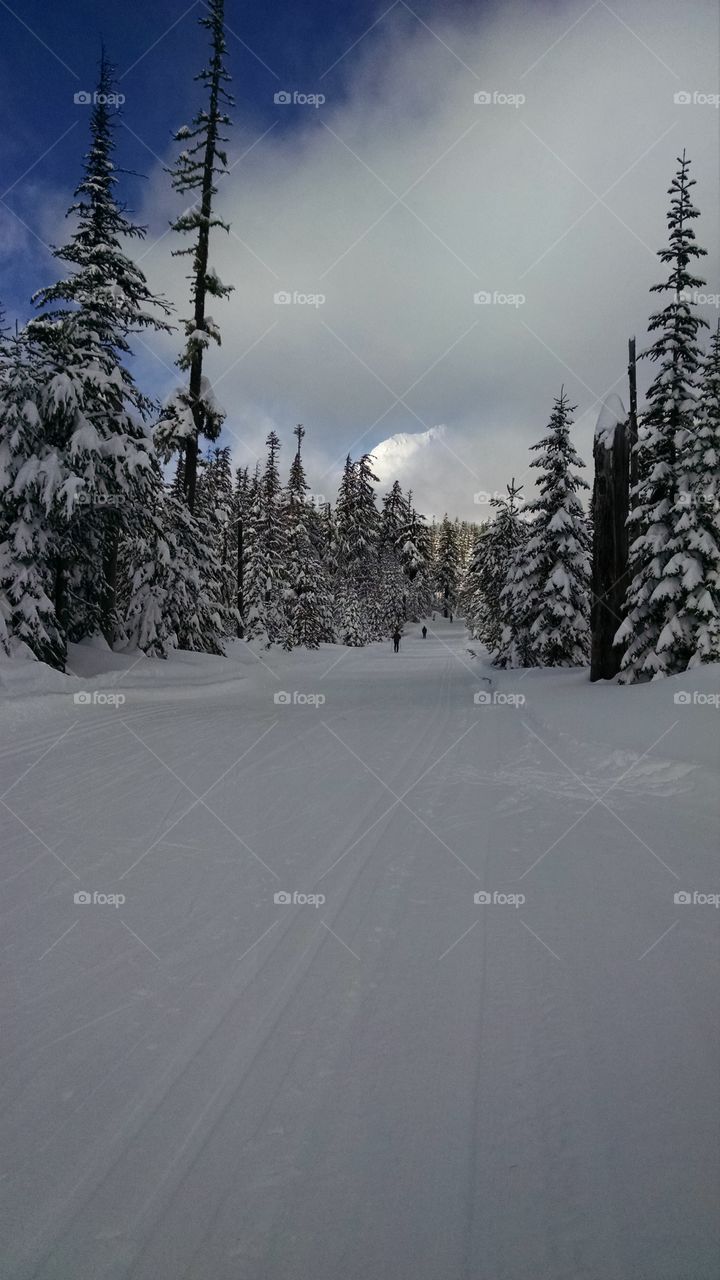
328, 535
193, 412
360, 612
242, 502
109, 289
366, 518
412, 542
28, 621
663, 609
308, 602
266, 572
447, 565
344, 518
488, 570
391, 603
96, 457
175, 600
215, 503
546, 600
695, 545
349, 617
517, 606
413, 552
392, 518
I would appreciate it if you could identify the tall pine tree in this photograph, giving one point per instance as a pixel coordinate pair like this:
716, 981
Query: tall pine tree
28, 620
658, 629
546, 600
695, 545
487, 572
193, 412
94, 467
307, 599
266, 570
448, 565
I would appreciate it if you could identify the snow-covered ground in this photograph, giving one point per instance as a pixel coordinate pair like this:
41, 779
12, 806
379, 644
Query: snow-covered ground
397, 1082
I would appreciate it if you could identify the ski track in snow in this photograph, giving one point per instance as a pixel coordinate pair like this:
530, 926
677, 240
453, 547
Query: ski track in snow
400, 1083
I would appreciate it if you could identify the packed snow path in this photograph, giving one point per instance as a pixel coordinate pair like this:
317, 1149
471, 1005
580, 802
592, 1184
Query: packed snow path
399, 1083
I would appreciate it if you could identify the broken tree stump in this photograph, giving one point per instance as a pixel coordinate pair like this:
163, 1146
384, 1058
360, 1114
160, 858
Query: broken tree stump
610, 505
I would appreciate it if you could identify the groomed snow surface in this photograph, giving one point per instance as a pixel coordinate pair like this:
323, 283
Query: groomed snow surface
398, 1083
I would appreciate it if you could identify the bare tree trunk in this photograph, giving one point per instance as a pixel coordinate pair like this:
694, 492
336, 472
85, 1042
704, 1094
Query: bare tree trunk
200, 271
240, 581
610, 550
632, 419
110, 571
60, 598
59, 590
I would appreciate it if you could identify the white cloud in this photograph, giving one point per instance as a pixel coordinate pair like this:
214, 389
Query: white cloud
394, 456
423, 463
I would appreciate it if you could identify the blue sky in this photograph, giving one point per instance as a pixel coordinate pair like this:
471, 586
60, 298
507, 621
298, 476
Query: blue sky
49, 51
397, 201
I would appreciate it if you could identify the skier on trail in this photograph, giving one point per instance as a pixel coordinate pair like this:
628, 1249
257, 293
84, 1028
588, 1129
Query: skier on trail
396, 640
424, 632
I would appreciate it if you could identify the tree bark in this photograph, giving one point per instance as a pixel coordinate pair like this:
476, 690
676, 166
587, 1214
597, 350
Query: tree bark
201, 266
109, 572
632, 418
610, 550
240, 581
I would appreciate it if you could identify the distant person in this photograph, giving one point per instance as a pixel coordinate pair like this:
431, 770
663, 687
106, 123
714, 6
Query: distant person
451, 617
396, 640
424, 632
433, 617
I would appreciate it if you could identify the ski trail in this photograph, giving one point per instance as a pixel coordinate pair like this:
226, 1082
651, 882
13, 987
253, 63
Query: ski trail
399, 1082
